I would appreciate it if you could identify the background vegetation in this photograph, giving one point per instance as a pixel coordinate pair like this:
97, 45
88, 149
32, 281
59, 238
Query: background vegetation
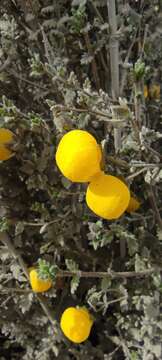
81, 64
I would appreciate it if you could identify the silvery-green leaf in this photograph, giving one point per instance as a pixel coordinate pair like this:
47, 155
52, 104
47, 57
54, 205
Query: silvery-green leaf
74, 284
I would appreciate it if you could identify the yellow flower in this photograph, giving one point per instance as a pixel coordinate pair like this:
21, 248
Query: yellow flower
6, 137
152, 91
107, 196
78, 156
37, 284
145, 91
133, 205
76, 324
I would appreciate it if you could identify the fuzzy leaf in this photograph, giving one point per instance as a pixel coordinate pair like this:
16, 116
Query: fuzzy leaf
74, 284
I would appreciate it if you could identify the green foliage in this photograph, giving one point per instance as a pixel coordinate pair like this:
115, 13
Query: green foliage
35, 120
78, 19
98, 236
139, 70
4, 224
73, 267
46, 270
36, 66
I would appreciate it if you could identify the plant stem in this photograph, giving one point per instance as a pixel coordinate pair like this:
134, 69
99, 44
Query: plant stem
137, 104
114, 62
94, 65
114, 48
132, 176
6, 290
152, 199
118, 162
124, 76
79, 110
39, 223
12, 72
97, 12
110, 274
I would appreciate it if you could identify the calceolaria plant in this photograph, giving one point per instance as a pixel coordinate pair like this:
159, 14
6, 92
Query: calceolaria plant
89, 207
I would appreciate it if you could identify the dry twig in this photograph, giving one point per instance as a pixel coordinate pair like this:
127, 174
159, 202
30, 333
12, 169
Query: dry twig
114, 62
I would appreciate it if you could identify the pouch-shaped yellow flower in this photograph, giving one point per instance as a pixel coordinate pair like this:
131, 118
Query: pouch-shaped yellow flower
37, 284
107, 196
6, 137
76, 324
78, 156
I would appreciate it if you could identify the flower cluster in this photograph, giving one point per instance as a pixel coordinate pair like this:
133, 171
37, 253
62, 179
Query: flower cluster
79, 159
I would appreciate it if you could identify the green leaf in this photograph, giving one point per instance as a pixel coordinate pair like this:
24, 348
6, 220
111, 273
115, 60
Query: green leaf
139, 69
78, 19
19, 228
134, 355
132, 244
105, 284
4, 224
71, 265
139, 263
46, 270
74, 283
